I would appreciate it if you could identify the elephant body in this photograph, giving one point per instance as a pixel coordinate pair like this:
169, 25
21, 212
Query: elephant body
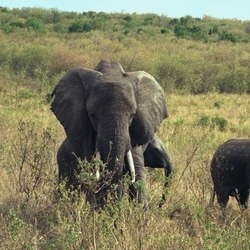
106, 112
230, 171
155, 156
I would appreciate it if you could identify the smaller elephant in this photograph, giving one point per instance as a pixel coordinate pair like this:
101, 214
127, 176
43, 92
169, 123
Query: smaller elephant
155, 156
230, 171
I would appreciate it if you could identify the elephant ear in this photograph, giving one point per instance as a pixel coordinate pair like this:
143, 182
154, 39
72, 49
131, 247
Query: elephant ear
69, 100
151, 108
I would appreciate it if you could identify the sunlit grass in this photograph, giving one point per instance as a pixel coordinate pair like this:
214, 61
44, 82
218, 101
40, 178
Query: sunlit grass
190, 134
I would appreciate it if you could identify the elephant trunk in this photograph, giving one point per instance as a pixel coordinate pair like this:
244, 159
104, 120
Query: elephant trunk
113, 144
112, 154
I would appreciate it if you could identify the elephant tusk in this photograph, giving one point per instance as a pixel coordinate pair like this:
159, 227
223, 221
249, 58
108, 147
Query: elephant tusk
97, 174
131, 165
97, 167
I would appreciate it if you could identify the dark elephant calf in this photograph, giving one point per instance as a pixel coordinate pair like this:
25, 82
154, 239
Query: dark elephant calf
230, 171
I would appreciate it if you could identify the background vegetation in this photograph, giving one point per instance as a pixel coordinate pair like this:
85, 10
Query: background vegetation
204, 67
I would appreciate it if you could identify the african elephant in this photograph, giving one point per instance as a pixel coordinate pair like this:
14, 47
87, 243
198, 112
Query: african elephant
155, 156
230, 171
110, 113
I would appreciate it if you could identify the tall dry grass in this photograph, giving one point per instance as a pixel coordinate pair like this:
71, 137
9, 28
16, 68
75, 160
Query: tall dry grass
182, 65
31, 216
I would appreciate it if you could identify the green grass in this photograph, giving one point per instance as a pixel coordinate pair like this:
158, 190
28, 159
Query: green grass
31, 216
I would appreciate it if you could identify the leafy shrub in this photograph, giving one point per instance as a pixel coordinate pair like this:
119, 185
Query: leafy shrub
181, 31
32, 160
234, 80
87, 27
35, 24
63, 58
79, 26
204, 120
213, 122
220, 122
32, 60
18, 24
218, 104
127, 18
172, 71
225, 36
164, 31
75, 27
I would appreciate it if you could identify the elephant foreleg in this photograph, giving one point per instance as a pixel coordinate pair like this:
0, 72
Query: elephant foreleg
242, 197
67, 166
222, 197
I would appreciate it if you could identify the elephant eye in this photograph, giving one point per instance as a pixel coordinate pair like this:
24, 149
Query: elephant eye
155, 150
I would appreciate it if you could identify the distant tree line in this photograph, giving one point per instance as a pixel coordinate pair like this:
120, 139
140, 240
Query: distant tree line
187, 54
206, 29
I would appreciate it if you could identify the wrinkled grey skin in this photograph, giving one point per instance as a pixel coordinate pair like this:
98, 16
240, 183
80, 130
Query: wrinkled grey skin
230, 171
109, 111
155, 156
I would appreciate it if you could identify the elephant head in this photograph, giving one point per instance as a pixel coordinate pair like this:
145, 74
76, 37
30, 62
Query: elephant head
109, 111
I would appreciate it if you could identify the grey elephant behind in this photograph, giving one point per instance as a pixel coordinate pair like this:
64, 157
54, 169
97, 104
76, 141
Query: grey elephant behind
230, 171
156, 156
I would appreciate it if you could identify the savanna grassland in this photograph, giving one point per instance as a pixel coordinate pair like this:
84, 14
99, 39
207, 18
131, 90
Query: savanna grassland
203, 66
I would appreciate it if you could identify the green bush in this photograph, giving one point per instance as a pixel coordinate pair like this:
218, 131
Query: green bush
35, 24
204, 120
75, 27
235, 80
172, 70
32, 159
78, 27
213, 122
31, 60
219, 122
225, 36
